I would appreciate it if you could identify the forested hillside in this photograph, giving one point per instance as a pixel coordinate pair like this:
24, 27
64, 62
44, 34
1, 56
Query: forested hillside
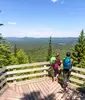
36, 48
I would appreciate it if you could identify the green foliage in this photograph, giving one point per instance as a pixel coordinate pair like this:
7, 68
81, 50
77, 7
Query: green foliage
6, 56
49, 50
22, 57
36, 48
15, 50
29, 59
13, 60
79, 51
5, 52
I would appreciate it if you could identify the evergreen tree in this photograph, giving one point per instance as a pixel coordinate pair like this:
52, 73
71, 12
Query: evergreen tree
29, 58
5, 52
13, 60
15, 50
22, 57
49, 50
79, 51
6, 56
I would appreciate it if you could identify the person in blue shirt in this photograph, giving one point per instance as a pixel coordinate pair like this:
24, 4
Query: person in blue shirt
67, 65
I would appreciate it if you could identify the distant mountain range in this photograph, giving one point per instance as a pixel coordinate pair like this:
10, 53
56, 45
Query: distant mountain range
31, 40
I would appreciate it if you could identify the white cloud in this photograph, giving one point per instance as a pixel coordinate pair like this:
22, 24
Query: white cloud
12, 23
62, 2
54, 1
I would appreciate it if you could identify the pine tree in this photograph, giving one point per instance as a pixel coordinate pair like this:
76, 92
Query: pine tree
22, 57
15, 50
49, 50
79, 51
6, 56
5, 52
13, 60
29, 58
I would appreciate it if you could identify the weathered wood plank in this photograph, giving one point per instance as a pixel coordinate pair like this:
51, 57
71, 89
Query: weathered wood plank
37, 92
78, 69
26, 76
3, 89
4, 81
26, 70
54, 91
3, 75
76, 80
41, 89
34, 91
28, 95
40, 95
74, 86
45, 85
78, 75
31, 92
27, 65
24, 91
20, 90
2, 69
29, 81
17, 89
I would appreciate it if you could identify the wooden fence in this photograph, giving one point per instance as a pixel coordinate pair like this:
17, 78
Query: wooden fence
3, 80
16, 73
78, 76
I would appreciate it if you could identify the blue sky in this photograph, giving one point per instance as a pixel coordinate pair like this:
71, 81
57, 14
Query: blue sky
42, 18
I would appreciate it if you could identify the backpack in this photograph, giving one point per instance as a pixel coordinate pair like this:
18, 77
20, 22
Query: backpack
52, 61
67, 63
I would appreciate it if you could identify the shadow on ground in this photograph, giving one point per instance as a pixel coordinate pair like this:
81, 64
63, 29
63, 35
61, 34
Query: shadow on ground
82, 92
71, 93
37, 96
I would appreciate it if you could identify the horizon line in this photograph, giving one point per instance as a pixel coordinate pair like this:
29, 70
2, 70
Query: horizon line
38, 37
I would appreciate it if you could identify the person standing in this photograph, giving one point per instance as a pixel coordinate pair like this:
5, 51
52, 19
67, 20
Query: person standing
67, 65
55, 64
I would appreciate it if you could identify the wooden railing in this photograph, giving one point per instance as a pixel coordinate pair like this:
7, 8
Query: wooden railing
24, 71
3, 80
78, 76
17, 73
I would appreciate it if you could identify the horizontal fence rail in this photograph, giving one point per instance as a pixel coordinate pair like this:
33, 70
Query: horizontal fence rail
27, 70
78, 76
27, 65
21, 72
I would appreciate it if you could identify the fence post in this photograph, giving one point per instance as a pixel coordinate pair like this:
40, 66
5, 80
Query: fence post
14, 80
14, 76
44, 70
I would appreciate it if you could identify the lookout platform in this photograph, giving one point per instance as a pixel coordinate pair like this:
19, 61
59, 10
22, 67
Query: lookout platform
32, 82
41, 89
